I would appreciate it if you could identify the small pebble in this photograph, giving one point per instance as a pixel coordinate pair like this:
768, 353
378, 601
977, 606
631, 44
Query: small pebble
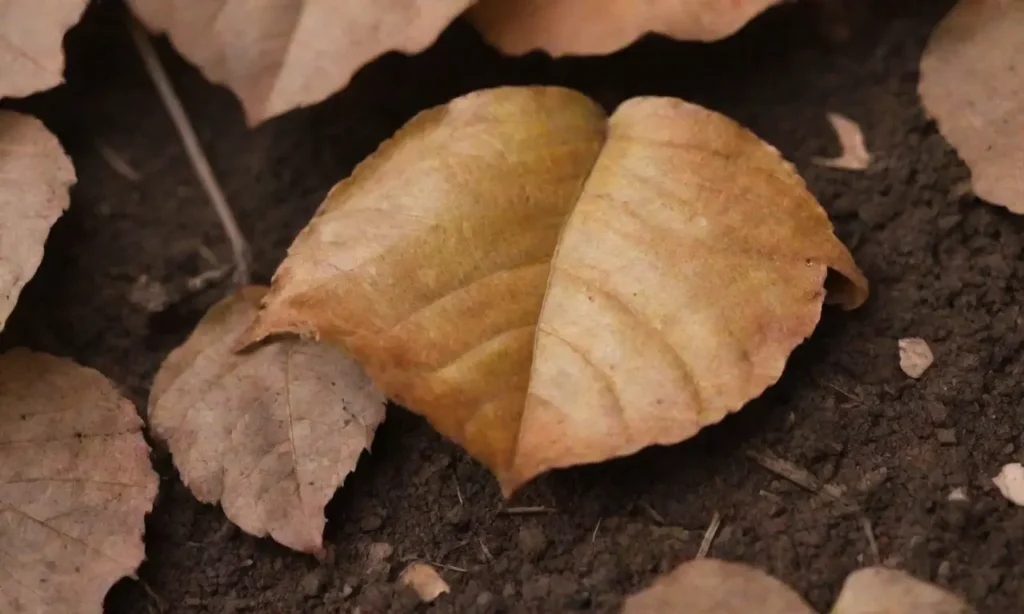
312, 583
532, 542
371, 522
946, 437
939, 414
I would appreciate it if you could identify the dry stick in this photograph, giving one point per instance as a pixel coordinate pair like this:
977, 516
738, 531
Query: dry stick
239, 246
527, 510
458, 492
593, 536
709, 536
118, 164
869, 532
487, 553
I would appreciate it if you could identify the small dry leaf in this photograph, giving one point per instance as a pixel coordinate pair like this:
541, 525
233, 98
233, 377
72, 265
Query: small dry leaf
270, 434
1010, 482
75, 485
972, 83
424, 580
690, 261
915, 356
712, 586
277, 56
31, 44
35, 176
882, 590
594, 27
855, 156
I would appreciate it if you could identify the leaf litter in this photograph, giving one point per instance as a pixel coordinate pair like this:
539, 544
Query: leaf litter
35, 176
270, 434
31, 44
75, 485
854, 156
508, 266
972, 84
713, 586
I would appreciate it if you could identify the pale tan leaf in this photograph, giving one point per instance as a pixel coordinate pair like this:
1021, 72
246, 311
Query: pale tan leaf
1010, 482
854, 156
424, 580
35, 176
881, 590
712, 586
31, 43
282, 54
594, 27
972, 83
690, 261
75, 485
271, 433
915, 356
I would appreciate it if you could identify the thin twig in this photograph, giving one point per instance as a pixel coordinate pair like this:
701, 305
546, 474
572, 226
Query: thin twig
848, 395
239, 246
709, 536
483, 547
593, 536
869, 532
799, 476
161, 603
527, 510
448, 567
458, 492
117, 163
653, 513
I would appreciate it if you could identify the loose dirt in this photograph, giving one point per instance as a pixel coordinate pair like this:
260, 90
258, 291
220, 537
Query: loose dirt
944, 267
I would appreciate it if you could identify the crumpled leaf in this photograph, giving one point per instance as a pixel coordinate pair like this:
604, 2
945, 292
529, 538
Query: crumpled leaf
277, 56
915, 356
854, 156
972, 83
35, 176
595, 27
31, 44
690, 261
270, 434
424, 580
712, 586
75, 485
881, 590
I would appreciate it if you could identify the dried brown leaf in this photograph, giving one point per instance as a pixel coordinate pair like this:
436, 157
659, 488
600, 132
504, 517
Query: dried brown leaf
690, 261
594, 27
972, 83
75, 485
712, 586
277, 56
881, 590
271, 433
31, 43
915, 356
424, 580
35, 176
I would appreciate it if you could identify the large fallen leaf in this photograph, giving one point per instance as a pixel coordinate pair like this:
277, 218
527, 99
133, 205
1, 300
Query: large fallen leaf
31, 43
35, 176
881, 590
594, 27
75, 485
972, 83
277, 56
269, 434
690, 262
712, 586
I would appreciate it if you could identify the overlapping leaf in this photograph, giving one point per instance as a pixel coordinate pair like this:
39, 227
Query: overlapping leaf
972, 83
31, 43
551, 287
35, 176
591, 27
75, 485
277, 56
269, 434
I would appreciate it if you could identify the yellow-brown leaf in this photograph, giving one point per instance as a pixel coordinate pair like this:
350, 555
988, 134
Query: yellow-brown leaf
689, 260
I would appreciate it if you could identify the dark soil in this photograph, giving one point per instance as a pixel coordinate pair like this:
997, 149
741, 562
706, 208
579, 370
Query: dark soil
944, 266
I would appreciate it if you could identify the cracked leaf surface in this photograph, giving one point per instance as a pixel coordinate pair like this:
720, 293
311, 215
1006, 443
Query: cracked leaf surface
31, 43
75, 485
688, 261
270, 434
